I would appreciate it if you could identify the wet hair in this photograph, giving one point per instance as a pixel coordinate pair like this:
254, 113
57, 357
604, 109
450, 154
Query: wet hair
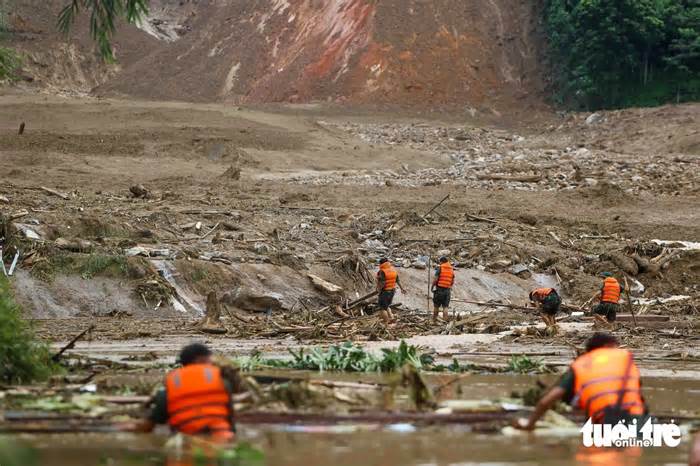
601, 340
192, 352
383, 260
443, 259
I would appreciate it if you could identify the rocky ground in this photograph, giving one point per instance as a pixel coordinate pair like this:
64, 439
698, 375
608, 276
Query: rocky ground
128, 214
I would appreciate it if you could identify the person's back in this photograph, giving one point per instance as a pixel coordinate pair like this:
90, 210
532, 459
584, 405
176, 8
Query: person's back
198, 401
607, 385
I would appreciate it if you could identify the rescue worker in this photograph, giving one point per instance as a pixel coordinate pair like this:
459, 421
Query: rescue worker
604, 382
196, 399
694, 459
549, 302
442, 288
387, 281
609, 297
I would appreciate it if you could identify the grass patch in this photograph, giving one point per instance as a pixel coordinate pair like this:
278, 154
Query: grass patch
198, 275
23, 358
86, 265
10, 62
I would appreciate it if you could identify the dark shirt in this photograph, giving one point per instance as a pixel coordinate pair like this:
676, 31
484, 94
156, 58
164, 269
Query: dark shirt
568, 383
159, 413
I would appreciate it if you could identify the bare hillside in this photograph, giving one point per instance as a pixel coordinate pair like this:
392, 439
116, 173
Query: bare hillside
480, 54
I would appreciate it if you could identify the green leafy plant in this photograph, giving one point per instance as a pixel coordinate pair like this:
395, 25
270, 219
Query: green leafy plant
10, 62
23, 358
525, 365
103, 17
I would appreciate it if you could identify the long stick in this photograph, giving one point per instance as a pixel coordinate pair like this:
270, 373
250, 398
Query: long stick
14, 264
429, 284
72, 343
629, 301
2, 262
435, 206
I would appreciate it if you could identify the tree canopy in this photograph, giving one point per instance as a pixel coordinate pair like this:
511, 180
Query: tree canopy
103, 17
624, 52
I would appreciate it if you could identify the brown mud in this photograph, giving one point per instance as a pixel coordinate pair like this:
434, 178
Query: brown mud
150, 206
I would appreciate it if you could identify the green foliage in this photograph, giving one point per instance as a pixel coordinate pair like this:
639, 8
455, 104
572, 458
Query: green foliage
624, 52
524, 365
10, 62
353, 358
22, 357
349, 357
103, 17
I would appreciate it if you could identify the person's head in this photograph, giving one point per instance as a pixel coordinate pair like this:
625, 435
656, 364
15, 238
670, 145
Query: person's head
383, 260
443, 259
195, 353
606, 275
601, 340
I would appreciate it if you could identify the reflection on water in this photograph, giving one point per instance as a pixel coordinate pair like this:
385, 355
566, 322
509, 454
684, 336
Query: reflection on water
368, 446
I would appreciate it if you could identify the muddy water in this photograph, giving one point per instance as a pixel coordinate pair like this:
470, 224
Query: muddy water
366, 446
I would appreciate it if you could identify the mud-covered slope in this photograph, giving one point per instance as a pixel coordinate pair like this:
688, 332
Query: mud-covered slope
477, 53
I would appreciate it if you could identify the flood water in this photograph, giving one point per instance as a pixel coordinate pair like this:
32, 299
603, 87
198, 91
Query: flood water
369, 445
366, 446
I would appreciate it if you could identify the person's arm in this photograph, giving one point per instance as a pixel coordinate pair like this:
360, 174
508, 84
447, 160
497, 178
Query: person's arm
398, 282
546, 402
381, 280
158, 415
437, 277
565, 391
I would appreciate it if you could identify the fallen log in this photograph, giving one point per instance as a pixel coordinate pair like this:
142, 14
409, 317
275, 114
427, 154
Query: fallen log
643, 318
520, 178
361, 300
63, 196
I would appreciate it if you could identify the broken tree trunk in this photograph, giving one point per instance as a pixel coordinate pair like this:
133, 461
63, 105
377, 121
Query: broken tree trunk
212, 318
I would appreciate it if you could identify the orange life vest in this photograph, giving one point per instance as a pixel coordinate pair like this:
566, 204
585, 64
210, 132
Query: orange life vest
599, 377
447, 276
540, 293
611, 291
390, 275
198, 401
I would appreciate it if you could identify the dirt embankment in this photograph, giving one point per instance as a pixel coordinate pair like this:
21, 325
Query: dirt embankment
482, 55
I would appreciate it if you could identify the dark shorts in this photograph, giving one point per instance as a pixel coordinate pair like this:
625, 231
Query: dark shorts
441, 297
385, 298
609, 310
551, 304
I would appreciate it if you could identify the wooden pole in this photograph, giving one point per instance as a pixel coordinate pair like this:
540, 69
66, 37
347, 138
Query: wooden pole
429, 283
629, 301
